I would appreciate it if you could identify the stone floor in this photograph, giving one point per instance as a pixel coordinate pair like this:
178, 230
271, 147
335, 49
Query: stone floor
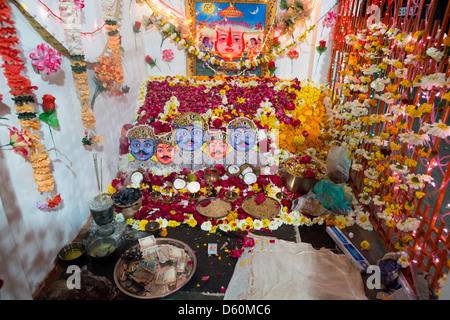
219, 267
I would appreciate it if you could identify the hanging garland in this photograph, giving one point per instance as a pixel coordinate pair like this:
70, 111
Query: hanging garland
109, 70
178, 34
22, 90
72, 27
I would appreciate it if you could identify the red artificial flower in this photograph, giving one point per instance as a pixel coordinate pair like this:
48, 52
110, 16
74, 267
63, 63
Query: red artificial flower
322, 44
136, 26
20, 141
55, 201
248, 242
271, 64
48, 103
236, 253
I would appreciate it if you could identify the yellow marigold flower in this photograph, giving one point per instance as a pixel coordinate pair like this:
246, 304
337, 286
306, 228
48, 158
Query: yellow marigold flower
407, 239
173, 223
409, 205
409, 48
142, 224
191, 222
426, 108
406, 83
419, 195
384, 135
163, 232
340, 223
390, 223
418, 34
398, 64
365, 245
395, 146
399, 246
391, 75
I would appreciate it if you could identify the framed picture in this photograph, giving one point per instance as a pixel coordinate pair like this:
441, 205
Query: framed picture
231, 33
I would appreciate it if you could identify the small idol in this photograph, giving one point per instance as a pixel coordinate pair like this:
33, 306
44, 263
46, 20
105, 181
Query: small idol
142, 142
190, 131
217, 147
242, 135
165, 148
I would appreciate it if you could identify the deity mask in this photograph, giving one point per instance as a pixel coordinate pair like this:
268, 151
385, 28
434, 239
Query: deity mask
229, 45
164, 149
142, 145
243, 134
190, 129
217, 145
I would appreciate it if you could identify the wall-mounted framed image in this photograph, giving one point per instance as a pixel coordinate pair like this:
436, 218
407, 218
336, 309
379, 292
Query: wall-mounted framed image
233, 33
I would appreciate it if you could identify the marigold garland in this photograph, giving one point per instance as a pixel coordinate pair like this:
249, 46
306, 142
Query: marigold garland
21, 89
72, 27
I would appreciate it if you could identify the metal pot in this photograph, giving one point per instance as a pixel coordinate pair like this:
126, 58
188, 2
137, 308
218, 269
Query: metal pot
294, 183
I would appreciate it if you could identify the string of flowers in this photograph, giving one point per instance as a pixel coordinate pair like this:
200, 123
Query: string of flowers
109, 69
394, 158
72, 27
27, 141
179, 33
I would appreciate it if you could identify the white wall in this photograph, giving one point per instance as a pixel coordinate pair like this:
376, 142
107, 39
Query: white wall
29, 238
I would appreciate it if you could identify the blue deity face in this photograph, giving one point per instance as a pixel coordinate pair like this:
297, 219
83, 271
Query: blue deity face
142, 149
189, 138
242, 139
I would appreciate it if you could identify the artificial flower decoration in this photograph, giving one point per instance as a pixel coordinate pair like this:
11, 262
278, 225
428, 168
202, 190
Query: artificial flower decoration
271, 66
19, 141
49, 114
136, 29
322, 47
151, 62
168, 56
46, 59
79, 4
329, 20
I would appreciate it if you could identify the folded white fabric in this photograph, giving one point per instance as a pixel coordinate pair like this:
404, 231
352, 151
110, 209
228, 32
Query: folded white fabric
281, 270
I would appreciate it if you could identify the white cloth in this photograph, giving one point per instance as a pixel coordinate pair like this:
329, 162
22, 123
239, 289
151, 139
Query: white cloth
285, 270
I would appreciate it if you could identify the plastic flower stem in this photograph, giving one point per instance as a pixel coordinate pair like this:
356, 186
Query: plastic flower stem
169, 67
8, 144
51, 135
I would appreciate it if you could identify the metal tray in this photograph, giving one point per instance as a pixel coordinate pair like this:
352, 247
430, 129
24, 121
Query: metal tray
181, 280
259, 216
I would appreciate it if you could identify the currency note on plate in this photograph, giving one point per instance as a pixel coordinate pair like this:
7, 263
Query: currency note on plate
147, 242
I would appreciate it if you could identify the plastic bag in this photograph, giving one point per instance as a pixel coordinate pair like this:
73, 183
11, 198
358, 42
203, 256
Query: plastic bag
338, 164
332, 196
310, 205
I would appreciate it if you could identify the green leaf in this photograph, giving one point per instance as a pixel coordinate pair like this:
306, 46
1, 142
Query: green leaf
53, 121
43, 117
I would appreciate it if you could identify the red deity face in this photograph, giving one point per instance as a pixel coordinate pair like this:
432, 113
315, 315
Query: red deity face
217, 149
165, 153
229, 45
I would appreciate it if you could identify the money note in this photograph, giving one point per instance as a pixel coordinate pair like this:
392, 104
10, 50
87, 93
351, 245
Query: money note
147, 242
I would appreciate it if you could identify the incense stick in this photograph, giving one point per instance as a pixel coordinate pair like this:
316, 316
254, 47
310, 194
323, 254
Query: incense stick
94, 156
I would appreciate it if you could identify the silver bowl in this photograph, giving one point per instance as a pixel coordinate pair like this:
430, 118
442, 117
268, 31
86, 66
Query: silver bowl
102, 248
298, 184
72, 252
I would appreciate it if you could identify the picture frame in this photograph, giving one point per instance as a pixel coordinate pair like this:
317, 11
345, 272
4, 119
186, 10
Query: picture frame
231, 32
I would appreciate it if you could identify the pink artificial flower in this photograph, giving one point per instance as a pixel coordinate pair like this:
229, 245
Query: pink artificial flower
46, 59
330, 19
293, 54
236, 253
168, 55
79, 4
20, 141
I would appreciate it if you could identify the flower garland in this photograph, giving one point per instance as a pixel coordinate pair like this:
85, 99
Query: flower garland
72, 26
180, 36
109, 70
391, 153
21, 90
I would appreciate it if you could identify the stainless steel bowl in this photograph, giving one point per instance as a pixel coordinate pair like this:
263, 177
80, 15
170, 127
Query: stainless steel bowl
72, 252
296, 184
102, 248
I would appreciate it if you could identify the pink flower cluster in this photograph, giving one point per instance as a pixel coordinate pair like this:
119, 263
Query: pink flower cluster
46, 59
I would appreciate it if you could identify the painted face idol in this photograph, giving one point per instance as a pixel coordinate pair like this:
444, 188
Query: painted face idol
142, 145
190, 131
217, 146
243, 134
165, 149
229, 45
